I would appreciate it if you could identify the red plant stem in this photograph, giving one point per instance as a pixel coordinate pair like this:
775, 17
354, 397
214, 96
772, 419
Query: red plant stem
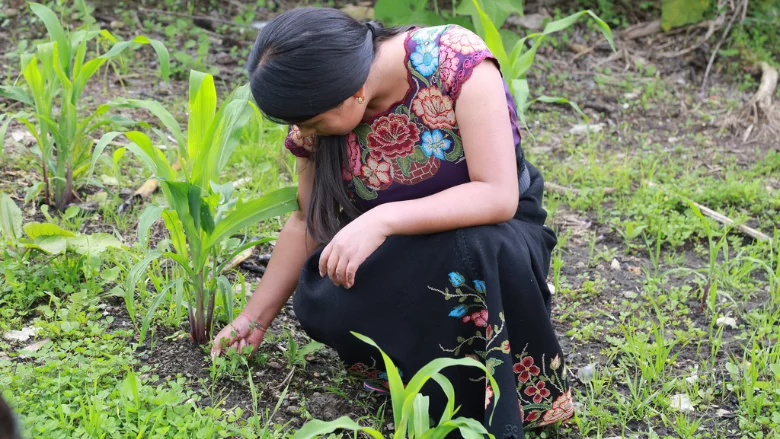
46, 196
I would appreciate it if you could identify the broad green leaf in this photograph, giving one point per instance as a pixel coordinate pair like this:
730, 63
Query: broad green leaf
164, 57
397, 391
71, 212
202, 106
15, 93
557, 100
227, 296
176, 231
271, 205
195, 203
158, 111
563, 23
56, 33
521, 65
85, 73
94, 244
497, 10
151, 214
51, 244
152, 157
493, 38
206, 217
101, 145
117, 156
224, 134
449, 392
34, 79
521, 92
179, 199
421, 420
133, 277
34, 230
11, 218
604, 28
676, 13
317, 428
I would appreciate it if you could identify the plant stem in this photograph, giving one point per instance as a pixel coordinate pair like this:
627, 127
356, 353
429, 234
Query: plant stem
200, 323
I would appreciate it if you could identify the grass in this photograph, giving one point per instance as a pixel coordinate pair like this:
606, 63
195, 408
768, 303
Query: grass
639, 338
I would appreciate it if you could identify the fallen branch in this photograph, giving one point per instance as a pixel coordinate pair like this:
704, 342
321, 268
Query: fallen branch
558, 189
238, 259
641, 30
717, 48
723, 219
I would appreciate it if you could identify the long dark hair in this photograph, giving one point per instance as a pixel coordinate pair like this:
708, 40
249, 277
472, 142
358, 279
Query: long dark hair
305, 62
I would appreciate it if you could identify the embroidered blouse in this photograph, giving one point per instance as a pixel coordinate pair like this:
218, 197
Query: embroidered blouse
414, 148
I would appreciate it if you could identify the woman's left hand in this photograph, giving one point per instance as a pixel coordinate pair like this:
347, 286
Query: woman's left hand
350, 247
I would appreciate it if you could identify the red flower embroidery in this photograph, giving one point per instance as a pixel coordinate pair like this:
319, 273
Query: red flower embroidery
462, 40
306, 143
488, 396
479, 318
534, 415
354, 166
505, 348
538, 391
562, 408
376, 172
393, 136
488, 332
434, 108
526, 369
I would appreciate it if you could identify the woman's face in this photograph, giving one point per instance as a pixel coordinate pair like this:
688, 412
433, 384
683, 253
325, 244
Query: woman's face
338, 121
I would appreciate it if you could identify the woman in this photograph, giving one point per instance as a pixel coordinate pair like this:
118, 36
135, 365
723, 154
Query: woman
421, 223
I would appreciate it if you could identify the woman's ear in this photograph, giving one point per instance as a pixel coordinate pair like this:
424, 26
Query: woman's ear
361, 93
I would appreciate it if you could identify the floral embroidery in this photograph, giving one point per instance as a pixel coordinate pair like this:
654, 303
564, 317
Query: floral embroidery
374, 380
462, 40
434, 144
448, 67
526, 369
299, 145
538, 391
435, 108
426, 34
426, 57
562, 408
376, 172
354, 166
393, 136
543, 396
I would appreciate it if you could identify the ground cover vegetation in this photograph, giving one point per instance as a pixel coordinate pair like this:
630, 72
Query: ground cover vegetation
140, 193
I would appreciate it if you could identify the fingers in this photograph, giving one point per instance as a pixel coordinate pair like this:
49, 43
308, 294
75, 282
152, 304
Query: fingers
333, 262
350, 273
341, 272
324, 257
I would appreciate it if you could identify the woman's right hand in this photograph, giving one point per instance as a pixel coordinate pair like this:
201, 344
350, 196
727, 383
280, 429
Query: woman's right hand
238, 334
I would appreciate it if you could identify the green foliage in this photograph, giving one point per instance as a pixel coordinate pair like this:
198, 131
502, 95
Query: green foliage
676, 13
55, 77
410, 408
202, 213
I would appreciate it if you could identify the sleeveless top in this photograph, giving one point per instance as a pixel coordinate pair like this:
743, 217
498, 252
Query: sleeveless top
414, 148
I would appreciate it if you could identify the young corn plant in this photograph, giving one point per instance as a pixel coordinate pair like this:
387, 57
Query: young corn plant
54, 78
515, 64
410, 408
201, 213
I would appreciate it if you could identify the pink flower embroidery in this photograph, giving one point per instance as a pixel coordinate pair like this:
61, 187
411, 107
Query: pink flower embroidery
354, 164
462, 40
505, 348
562, 408
479, 318
435, 109
448, 66
538, 391
376, 172
534, 415
526, 368
393, 136
488, 396
306, 143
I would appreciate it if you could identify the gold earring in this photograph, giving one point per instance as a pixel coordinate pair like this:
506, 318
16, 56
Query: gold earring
361, 100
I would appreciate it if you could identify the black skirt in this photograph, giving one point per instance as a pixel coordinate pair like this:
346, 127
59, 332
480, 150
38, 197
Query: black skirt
479, 292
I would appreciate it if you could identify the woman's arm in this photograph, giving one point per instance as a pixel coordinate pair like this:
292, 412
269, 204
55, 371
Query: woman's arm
491, 197
292, 249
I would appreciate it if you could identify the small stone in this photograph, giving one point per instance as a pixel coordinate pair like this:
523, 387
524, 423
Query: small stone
585, 373
615, 265
634, 270
274, 364
673, 139
35, 347
293, 409
721, 413
584, 128
681, 402
630, 294
726, 321
552, 288
21, 336
631, 95
11, 12
117, 24
391, 427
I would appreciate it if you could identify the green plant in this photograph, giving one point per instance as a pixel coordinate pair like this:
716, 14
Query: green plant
55, 77
202, 213
515, 64
410, 407
295, 354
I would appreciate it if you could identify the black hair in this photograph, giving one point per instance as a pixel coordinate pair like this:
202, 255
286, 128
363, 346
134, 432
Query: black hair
8, 426
305, 62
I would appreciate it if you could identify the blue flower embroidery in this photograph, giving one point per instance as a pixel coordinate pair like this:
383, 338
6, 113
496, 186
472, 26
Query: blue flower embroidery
434, 144
425, 58
459, 311
457, 279
480, 286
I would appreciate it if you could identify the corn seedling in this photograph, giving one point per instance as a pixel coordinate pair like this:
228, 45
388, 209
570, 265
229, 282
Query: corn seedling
55, 77
515, 64
410, 407
201, 214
